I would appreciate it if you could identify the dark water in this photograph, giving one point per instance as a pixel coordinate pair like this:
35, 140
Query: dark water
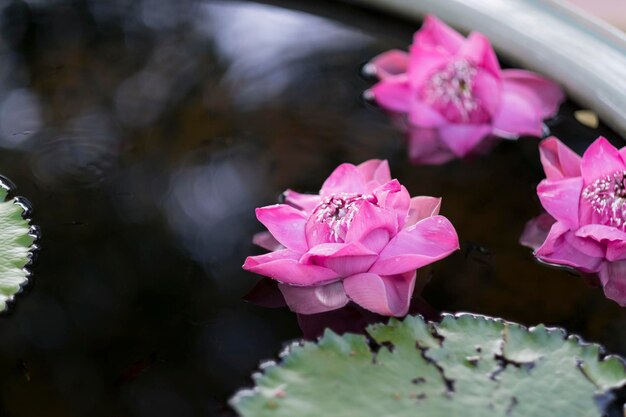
145, 133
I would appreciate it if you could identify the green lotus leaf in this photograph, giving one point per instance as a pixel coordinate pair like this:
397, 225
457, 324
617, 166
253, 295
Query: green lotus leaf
466, 365
17, 245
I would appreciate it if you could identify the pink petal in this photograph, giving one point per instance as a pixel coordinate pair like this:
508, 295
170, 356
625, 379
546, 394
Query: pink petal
424, 63
369, 219
426, 147
563, 247
516, 116
436, 34
375, 171
385, 295
314, 300
286, 224
558, 160
266, 241
376, 240
346, 178
463, 138
395, 197
600, 159
561, 199
423, 115
306, 202
344, 258
390, 63
536, 231
488, 91
545, 95
477, 49
601, 233
422, 207
427, 241
284, 267
393, 94
613, 278
616, 251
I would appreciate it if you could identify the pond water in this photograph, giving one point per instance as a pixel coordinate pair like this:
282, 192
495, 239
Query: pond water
145, 134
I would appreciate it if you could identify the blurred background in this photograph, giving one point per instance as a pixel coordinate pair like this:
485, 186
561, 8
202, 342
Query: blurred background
146, 132
612, 11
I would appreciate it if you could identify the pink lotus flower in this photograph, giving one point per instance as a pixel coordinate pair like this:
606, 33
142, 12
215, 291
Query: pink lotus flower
361, 239
456, 95
586, 197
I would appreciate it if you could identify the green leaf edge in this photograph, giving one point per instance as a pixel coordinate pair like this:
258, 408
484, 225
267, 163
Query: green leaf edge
25, 240
606, 372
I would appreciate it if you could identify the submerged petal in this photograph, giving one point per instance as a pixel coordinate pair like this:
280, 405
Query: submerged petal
613, 278
385, 295
314, 300
463, 138
425, 242
426, 147
558, 160
536, 231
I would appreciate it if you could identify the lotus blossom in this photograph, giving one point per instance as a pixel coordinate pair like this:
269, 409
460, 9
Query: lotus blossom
586, 202
360, 239
456, 96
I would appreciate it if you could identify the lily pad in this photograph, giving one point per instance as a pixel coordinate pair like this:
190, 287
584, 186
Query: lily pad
17, 244
466, 365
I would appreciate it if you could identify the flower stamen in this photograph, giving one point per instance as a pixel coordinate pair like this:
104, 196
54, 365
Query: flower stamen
607, 197
453, 86
338, 212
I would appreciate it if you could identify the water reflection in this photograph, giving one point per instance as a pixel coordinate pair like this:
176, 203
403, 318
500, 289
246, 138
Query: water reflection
80, 153
210, 201
263, 45
349, 318
20, 117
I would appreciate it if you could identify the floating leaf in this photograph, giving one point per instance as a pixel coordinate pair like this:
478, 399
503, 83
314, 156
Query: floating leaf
17, 244
464, 366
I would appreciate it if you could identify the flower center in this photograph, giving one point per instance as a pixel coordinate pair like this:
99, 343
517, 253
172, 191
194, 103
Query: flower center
607, 197
450, 90
338, 211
